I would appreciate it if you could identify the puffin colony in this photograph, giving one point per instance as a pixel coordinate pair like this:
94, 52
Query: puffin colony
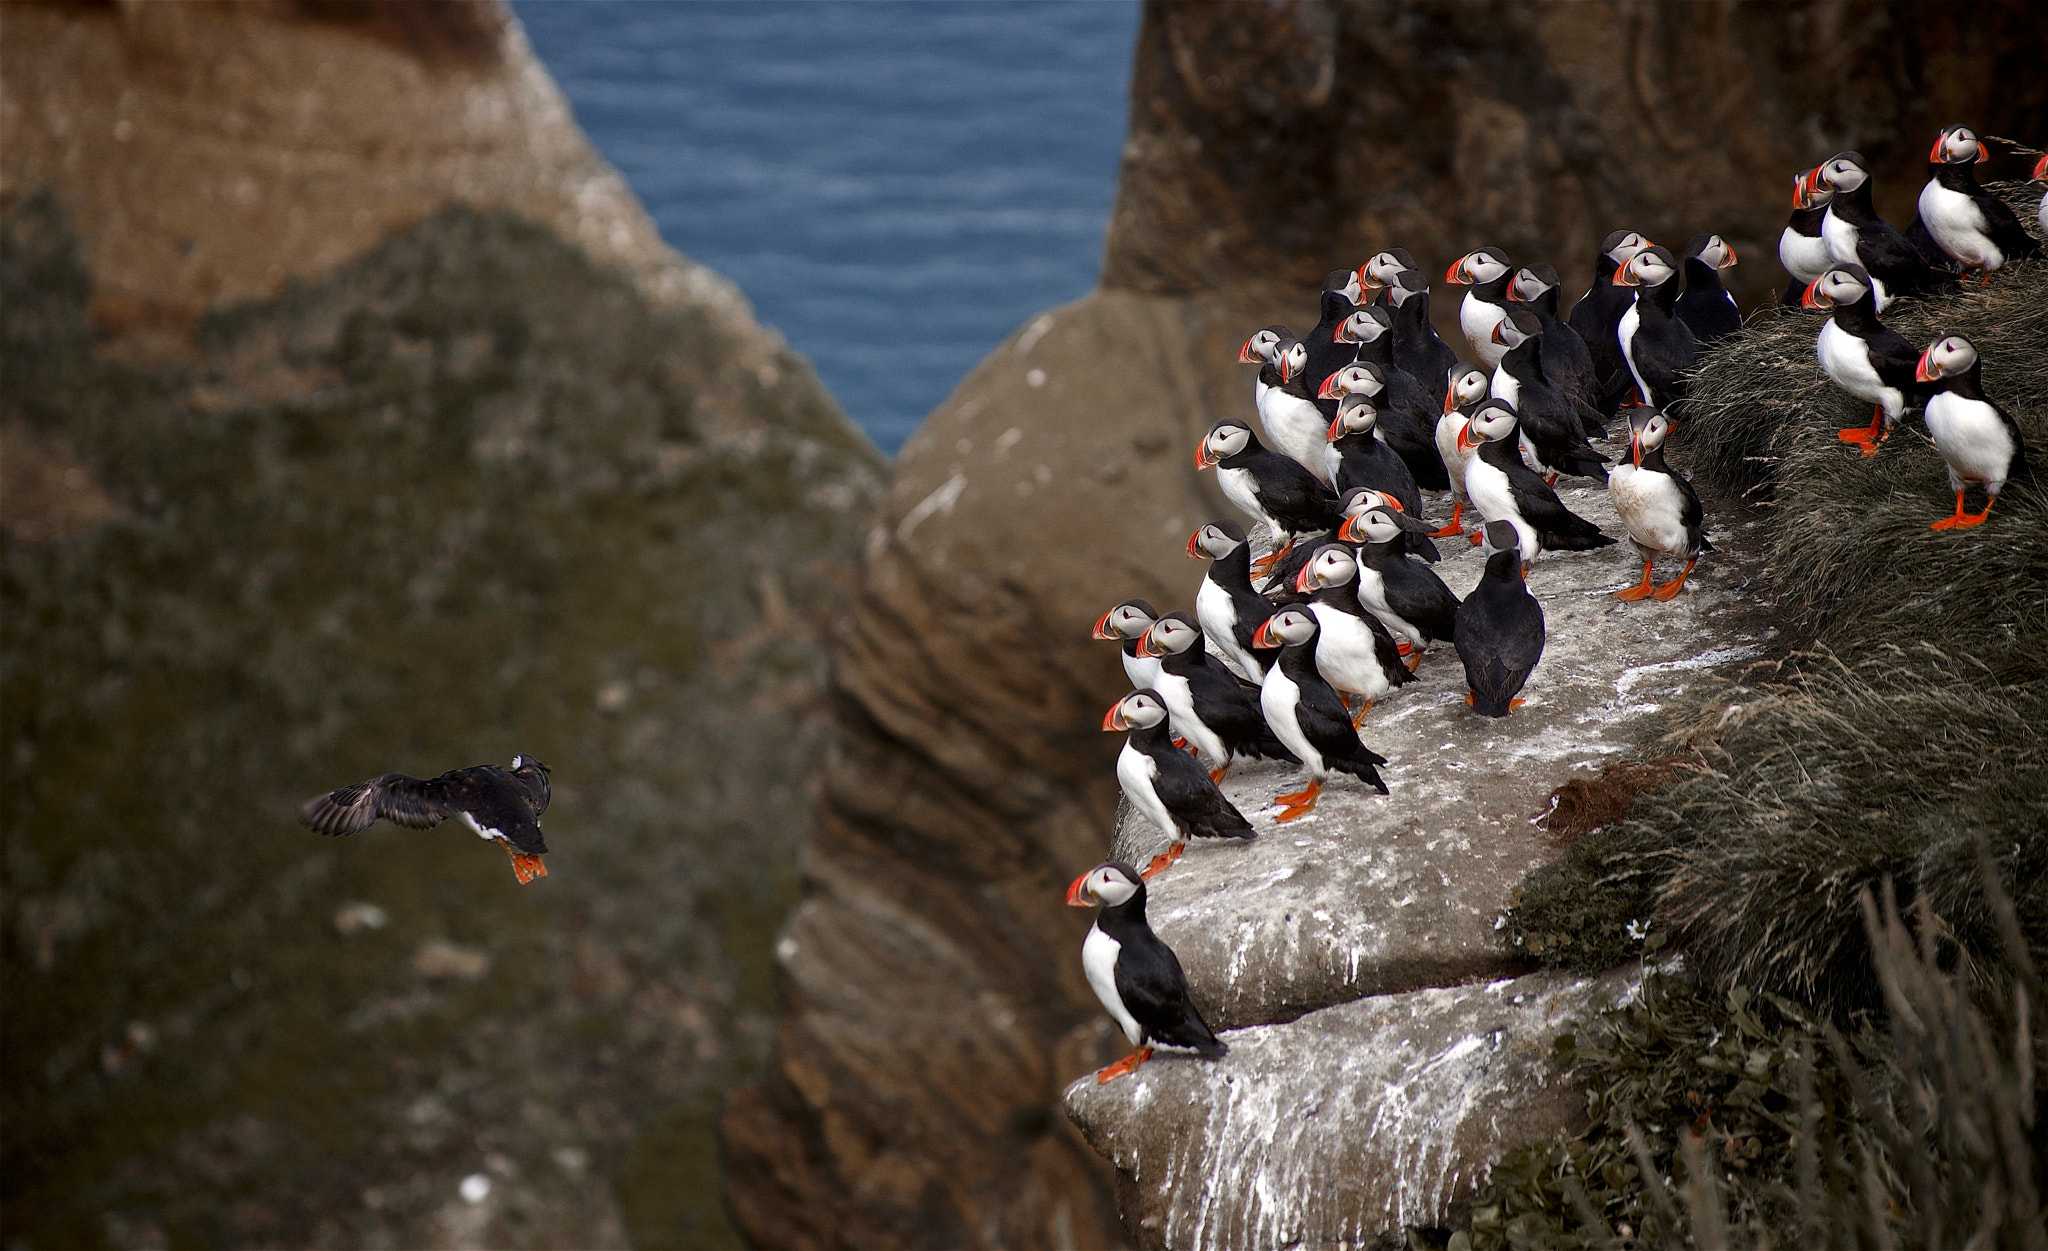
1285, 654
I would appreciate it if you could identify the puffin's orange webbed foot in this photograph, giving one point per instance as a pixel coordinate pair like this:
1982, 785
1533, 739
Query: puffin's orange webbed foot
1359, 718
1125, 1065
1669, 591
1160, 861
1637, 592
1300, 805
1451, 527
525, 867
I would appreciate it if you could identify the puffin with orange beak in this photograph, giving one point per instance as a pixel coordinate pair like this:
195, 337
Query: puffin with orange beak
1486, 272
1306, 713
1126, 623
499, 805
1164, 783
1364, 461
1261, 349
1658, 347
1598, 313
1227, 607
1973, 227
1293, 420
1498, 630
1705, 306
1136, 976
1209, 707
1801, 250
1506, 490
1418, 349
2040, 174
1856, 235
1272, 490
1552, 435
1466, 390
1405, 416
1405, 595
1865, 357
1659, 507
1354, 653
1979, 440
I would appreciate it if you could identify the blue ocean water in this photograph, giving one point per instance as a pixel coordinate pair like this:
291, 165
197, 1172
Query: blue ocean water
895, 185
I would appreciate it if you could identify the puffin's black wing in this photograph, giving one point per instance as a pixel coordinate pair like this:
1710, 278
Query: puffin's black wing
1230, 709
2003, 227
1559, 527
1408, 422
1896, 361
1888, 255
1202, 810
1292, 496
406, 801
1386, 650
1155, 992
1500, 639
1364, 461
1420, 597
1663, 355
1326, 724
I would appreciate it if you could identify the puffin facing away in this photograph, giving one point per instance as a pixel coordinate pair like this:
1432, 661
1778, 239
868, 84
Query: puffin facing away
1306, 713
1137, 977
1659, 507
1499, 629
502, 806
1165, 783
1705, 307
1979, 440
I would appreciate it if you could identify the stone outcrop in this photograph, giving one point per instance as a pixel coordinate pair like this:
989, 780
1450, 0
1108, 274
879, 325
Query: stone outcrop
354, 418
933, 1003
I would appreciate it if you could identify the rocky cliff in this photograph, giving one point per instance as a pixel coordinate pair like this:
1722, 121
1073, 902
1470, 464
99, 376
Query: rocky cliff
934, 1007
354, 418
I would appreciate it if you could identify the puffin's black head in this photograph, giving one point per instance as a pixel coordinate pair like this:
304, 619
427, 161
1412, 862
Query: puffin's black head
535, 775
1108, 885
1505, 551
1466, 384
1358, 378
1494, 419
1950, 356
1647, 434
1290, 357
1712, 250
1139, 710
1365, 325
1171, 635
1843, 284
1406, 285
1483, 266
1356, 414
1619, 245
1127, 620
1331, 565
1517, 328
1651, 267
1958, 145
1225, 439
1844, 172
1530, 282
1358, 499
1260, 346
1216, 540
1292, 626
1343, 282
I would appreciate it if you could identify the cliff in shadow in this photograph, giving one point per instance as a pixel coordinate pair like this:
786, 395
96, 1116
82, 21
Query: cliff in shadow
354, 418
933, 1001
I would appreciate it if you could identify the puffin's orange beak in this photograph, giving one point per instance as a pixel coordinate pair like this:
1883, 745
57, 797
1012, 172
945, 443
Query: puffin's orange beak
1202, 456
1263, 636
1114, 718
1329, 388
1495, 336
1336, 430
1450, 397
1286, 369
1940, 146
1365, 282
1347, 532
1626, 275
1456, 273
1245, 355
1924, 372
1728, 261
1102, 630
1145, 647
1195, 546
1813, 297
525, 867
1301, 579
1464, 437
2041, 170
1074, 899
1635, 449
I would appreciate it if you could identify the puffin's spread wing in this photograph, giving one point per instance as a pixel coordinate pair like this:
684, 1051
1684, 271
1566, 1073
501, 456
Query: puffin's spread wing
395, 797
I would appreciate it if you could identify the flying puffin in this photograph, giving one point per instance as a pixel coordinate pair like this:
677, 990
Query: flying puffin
1801, 250
1705, 307
1363, 461
1865, 357
1486, 272
1137, 977
1208, 706
1259, 350
1405, 415
1418, 348
1467, 389
1407, 596
1659, 507
1499, 629
1307, 713
1972, 226
1354, 652
1979, 440
1275, 491
1659, 348
502, 806
1551, 432
1597, 316
1227, 607
1165, 783
1566, 362
1505, 490
1856, 235
1127, 623
1288, 410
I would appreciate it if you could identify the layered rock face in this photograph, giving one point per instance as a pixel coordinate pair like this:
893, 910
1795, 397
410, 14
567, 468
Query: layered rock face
354, 418
934, 1005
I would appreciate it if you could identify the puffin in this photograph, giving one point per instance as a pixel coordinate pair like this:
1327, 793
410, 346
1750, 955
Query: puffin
1855, 234
1307, 714
2040, 174
1406, 595
1973, 227
1801, 250
1552, 435
1597, 316
1658, 347
1326, 352
1259, 350
1363, 461
1354, 652
1288, 410
1979, 440
1165, 783
1499, 629
1275, 491
1505, 490
1227, 607
1406, 414
1659, 507
1127, 623
1566, 362
1467, 389
1418, 348
1137, 977
1865, 357
499, 805
1209, 708
1705, 306
1486, 272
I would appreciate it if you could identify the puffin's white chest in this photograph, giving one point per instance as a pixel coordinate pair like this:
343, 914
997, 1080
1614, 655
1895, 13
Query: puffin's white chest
1840, 237
1143, 671
1098, 960
1477, 318
1504, 387
1651, 506
1279, 696
1135, 772
1971, 438
1347, 653
1958, 225
1448, 428
1487, 489
1805, 257
1295, 427
1242, 490
1372, 595
1846, 359
1180, 709
1217, 614
1625, 335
